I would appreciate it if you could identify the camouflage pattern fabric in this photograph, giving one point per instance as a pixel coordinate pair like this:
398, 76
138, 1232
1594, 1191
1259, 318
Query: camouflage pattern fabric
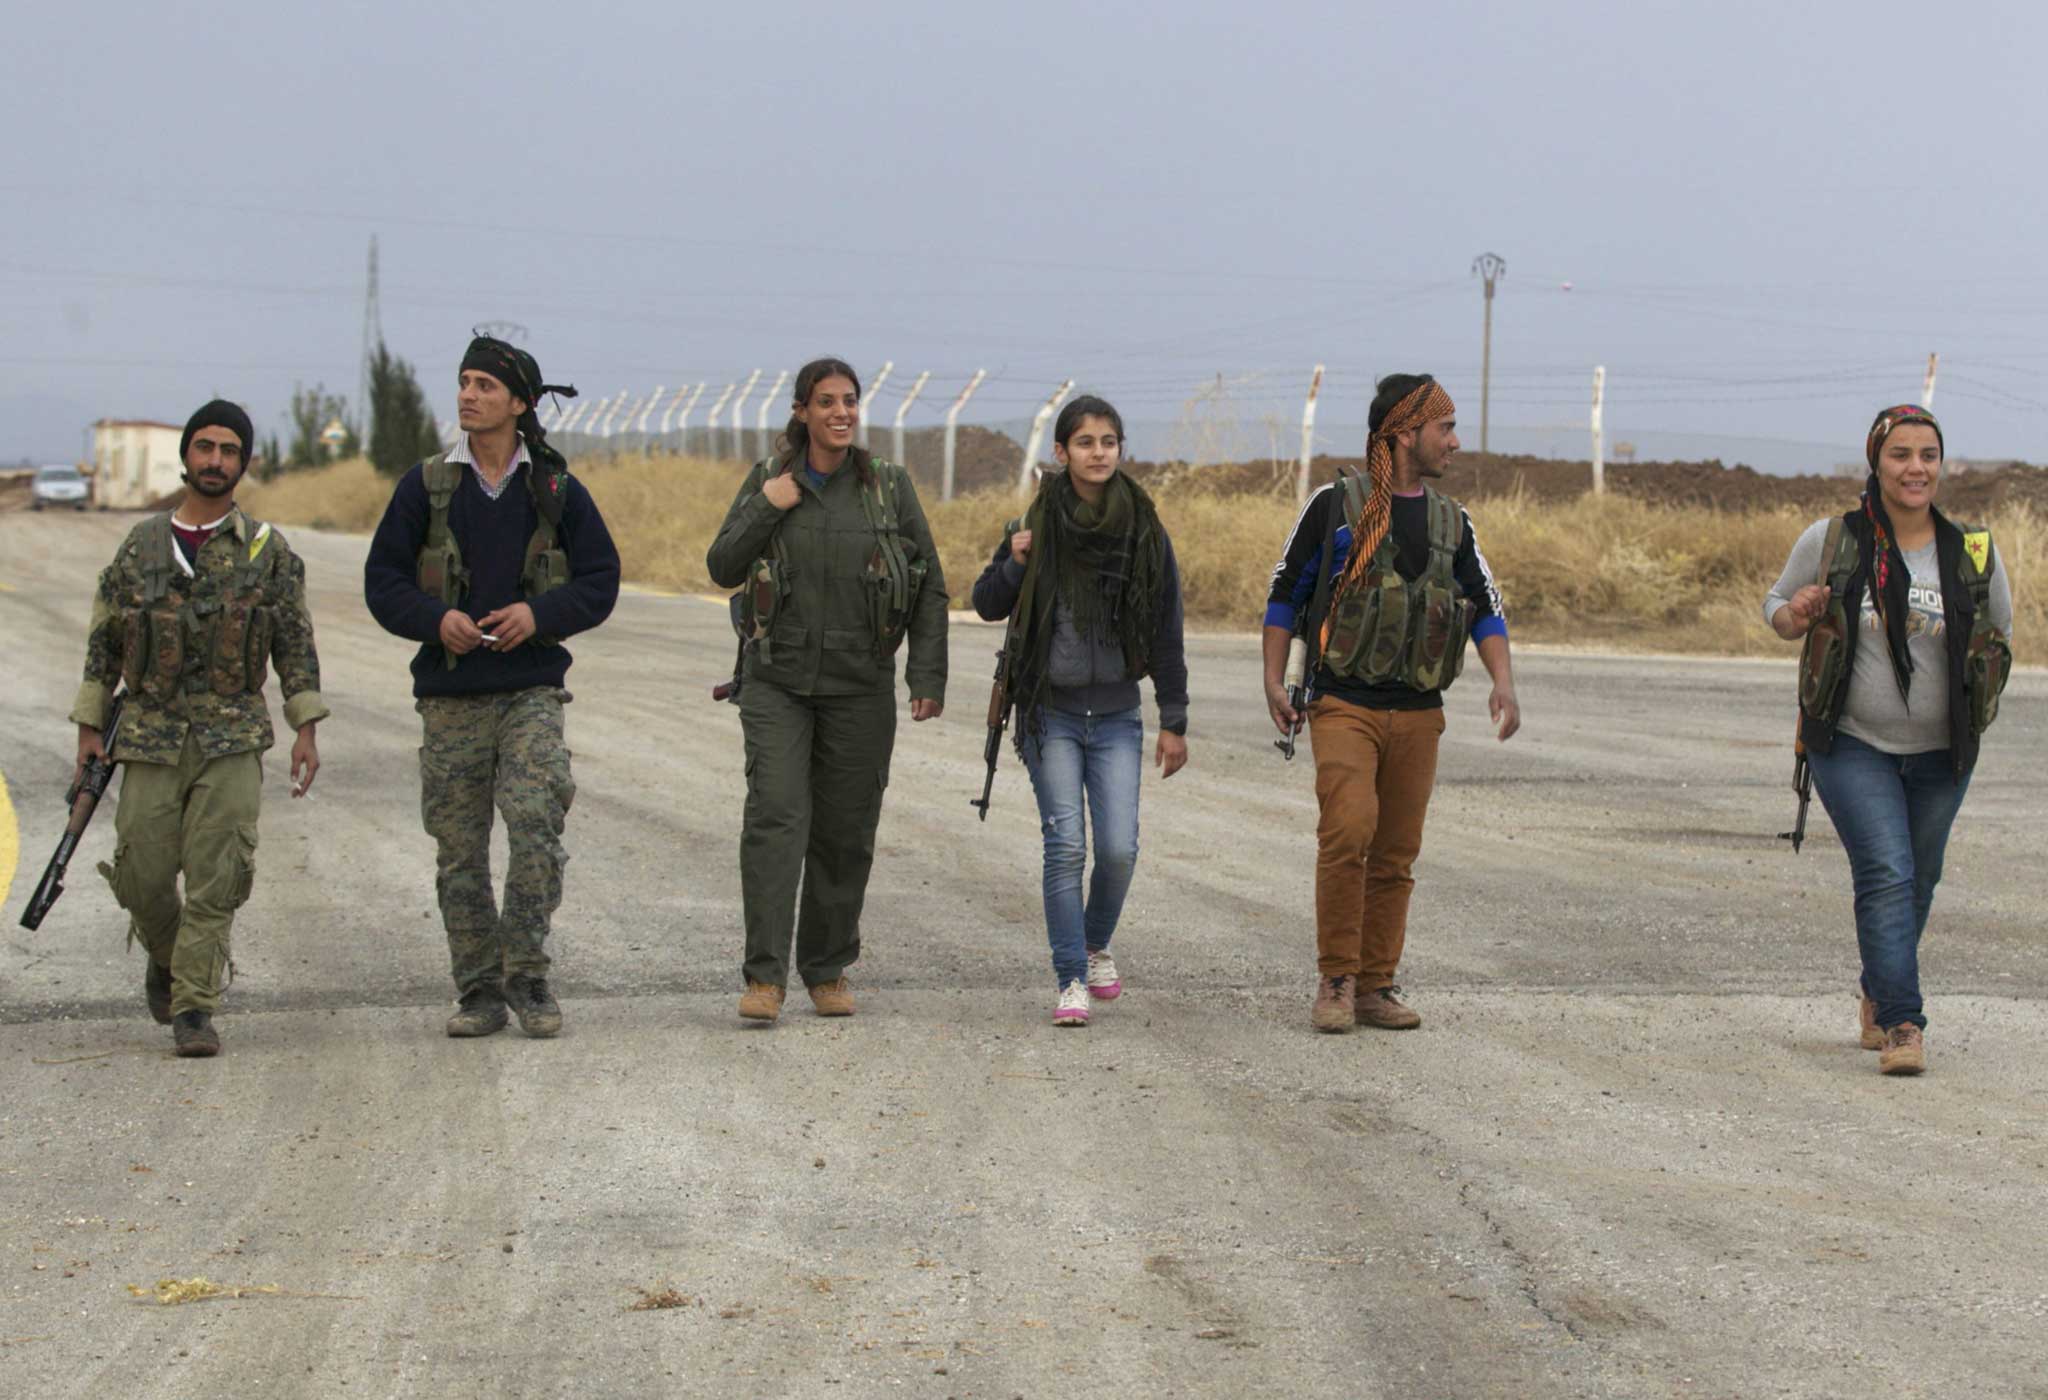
196, 816
190, 641
504, 750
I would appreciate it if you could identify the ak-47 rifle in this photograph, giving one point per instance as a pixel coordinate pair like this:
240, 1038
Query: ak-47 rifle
998, 720
1297, 692
1802, 788
83, 799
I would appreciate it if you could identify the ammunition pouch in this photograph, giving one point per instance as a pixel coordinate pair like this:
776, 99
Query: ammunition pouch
1986, 666
1824, 659
1389, 630
153, 652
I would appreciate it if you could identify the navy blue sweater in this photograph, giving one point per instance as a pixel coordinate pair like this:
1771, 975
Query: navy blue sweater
492, 536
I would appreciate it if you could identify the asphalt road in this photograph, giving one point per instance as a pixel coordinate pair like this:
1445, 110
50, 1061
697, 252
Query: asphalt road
1634, 1151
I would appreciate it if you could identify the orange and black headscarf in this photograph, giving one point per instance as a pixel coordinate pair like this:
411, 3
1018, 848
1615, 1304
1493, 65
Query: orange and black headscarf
1425, 404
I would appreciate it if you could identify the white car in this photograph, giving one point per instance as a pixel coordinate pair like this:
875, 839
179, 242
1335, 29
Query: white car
59, 486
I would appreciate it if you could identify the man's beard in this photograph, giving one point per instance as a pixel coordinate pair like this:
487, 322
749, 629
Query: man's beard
210, 487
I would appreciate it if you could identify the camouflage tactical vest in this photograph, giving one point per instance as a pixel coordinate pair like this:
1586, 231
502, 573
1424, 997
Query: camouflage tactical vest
214, 638
441, 573
1385, 629
1828, 654
893, 580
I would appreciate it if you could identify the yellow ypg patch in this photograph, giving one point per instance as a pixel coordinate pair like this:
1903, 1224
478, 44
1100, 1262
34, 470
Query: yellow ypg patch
1977, 544
263, 538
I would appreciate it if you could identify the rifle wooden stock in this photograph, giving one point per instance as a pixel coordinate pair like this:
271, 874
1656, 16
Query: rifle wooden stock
83, 799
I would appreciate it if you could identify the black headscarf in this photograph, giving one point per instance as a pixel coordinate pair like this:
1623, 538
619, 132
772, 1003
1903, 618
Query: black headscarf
519, 372
1883, 563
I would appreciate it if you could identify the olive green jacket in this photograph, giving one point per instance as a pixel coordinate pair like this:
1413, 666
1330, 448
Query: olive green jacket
823, 640
223, 724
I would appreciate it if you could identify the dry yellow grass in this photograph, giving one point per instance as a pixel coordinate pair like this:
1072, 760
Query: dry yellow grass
1612, 571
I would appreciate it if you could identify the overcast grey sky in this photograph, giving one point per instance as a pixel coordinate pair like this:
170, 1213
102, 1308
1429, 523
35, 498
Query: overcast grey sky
1768, 213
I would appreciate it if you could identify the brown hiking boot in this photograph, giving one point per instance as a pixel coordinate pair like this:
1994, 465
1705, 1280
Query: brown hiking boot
1905, 1050
833, 998
1336, 1005
1382, 1008
156, 990
194, 1035
762, 1002
1871, 1033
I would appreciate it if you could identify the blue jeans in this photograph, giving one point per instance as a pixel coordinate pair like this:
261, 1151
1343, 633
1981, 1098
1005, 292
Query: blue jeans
1893, 813
1099, 758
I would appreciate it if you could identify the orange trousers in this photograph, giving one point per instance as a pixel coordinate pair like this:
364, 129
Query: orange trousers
1374, 773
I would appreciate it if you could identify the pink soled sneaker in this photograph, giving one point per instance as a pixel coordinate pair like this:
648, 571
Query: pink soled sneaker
1073, 1007
1103, 982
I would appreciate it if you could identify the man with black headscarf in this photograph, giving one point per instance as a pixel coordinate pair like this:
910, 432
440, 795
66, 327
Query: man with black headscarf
488, 556
197, 604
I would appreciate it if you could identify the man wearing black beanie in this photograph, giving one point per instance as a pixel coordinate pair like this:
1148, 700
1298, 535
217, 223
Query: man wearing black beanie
198, 604
488, 556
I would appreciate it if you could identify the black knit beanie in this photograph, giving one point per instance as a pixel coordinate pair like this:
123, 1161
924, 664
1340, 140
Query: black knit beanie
220, 414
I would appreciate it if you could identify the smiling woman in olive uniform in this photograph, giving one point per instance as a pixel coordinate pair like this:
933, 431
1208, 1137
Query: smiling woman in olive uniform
839, 569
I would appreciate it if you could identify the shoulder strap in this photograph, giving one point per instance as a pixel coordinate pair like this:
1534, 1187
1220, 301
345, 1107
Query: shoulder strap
154, 537
1340, 506
1446, 527
440, 476
1837, 563
1975, 565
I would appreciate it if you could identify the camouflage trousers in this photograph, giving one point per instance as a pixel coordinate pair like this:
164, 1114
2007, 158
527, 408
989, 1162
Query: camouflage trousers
504, 750
196, 817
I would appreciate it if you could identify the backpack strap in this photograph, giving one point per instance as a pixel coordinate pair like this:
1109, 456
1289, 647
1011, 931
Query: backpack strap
441, 477
878, 500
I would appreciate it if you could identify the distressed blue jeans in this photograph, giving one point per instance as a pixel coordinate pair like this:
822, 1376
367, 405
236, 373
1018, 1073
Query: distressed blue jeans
1893, 813
1091, 763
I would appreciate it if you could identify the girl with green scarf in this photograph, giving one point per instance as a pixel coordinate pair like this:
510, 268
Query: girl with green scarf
1089, 577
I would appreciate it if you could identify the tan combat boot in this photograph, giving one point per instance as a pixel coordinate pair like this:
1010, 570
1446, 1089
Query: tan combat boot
762, 1002
1905, 1050
1336, 1005
833, 998
1871, 1034
1382, 1008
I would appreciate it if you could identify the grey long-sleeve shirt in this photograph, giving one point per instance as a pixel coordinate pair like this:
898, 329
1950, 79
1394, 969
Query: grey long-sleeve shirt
1877, 714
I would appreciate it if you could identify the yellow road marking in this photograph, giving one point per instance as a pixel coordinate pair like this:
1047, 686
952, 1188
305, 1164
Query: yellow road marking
10, 841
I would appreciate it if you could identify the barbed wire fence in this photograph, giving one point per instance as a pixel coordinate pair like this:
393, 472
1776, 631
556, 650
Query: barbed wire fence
1264, 417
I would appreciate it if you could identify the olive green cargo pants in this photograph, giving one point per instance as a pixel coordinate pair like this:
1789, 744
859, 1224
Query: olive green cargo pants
506, 749
196, 817
816, 768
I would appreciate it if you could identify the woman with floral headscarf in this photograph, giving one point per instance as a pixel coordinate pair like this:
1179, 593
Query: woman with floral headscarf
1907, 623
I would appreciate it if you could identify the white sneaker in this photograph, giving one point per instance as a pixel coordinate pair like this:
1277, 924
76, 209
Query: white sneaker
1073, 1007
1103, 983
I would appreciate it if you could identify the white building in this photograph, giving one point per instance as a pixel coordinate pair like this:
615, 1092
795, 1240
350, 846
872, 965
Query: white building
134, 463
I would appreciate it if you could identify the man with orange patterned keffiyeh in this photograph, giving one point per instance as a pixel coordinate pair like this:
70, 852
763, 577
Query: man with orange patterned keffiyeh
1381, 582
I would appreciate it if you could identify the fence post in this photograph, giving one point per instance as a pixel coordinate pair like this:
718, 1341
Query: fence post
873, 390
568, 423
1927, 389
711, 423
739, 408
1599, 430
952, 424
683, 422
640, 423
669, 414
768, 404
903, 408
1308, 436
1038, 424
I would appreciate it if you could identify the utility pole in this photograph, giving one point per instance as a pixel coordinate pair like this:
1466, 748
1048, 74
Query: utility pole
1492, 267
373, 337
1927, 389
